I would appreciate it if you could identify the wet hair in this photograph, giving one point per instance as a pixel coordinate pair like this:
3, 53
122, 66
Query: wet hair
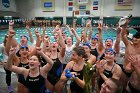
80, 51
38, 57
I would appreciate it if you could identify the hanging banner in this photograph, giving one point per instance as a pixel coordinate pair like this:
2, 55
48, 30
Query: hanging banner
48, 5
7, 5
124, 4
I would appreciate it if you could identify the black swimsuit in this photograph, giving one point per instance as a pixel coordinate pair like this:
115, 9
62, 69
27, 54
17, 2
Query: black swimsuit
107, 73
94, 52
20, 76
75, 88
36, 84
55, 73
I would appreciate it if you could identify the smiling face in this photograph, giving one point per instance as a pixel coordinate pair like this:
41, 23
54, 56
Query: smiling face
34, 62
108, 43
63, 35
109, 56
78, 53
87, 49
94, 41
24, 52
23, 40
69, 40
47, 42
55, 36
54, 46
108, 87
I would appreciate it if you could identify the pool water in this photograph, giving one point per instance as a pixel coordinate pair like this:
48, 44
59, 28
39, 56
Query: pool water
107, 33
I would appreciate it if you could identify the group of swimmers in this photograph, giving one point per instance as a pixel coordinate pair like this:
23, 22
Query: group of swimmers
92, 66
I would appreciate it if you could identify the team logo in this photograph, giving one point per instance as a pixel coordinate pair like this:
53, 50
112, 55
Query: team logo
6, 3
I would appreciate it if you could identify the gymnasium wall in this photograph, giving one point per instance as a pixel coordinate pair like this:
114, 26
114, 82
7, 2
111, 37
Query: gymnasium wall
32, 8
8, 8
108, 8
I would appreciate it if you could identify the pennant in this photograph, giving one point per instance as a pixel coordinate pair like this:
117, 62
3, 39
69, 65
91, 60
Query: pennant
95, 2
95, 8
76, 12
70, 4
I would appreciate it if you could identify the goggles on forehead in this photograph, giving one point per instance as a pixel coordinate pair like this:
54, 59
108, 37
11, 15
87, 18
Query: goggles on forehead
111, 50
94, 37
109, 39
24, 47
87, 44
24, 36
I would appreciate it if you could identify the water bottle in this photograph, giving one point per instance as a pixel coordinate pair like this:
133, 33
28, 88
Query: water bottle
123, 20
47, 91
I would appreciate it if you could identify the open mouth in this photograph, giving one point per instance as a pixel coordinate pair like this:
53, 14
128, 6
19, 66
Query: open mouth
31, 65
108, 44
24, 53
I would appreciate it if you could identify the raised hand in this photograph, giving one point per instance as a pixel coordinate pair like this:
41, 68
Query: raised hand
11, 23
11, 33
74, 21
46, 38
72, 30
37, 33
44, 28
12, 51
119, 29
100, 27
88, 24
27, 27
38, 50
99, 66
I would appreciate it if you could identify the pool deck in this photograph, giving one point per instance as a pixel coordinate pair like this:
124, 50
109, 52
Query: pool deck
3, 86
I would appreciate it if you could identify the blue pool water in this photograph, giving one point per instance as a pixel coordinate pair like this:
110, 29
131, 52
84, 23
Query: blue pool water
22, 31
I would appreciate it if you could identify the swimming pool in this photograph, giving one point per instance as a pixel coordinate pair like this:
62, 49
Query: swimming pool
22, 31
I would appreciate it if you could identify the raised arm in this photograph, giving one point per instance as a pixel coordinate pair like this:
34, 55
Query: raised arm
11, 41
124, 34
117, 43
49, 61
69, 29
77, 37
100, 69
43, 34
30, 34
62, 43
38, 38
9, 64
100, 41
89, 27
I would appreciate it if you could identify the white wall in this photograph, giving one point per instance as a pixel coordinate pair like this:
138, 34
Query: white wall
32, 8
110, 11
11, 8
